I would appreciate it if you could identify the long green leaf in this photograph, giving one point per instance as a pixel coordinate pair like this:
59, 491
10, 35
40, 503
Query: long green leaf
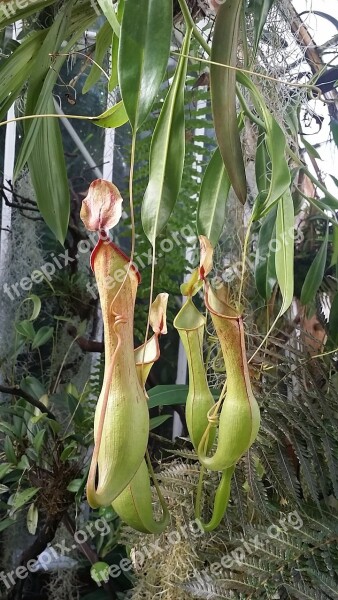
6, 523
41, 85
334, 179
260, 11
15, 70
21, 498
157, 421
114, 75
51, 45
14, 12
310, 149
9, 450
143, 54
166, 155
26, 328
223, 93
284, 257
279, 176
33, 386
49, 176
212, 201
323, 205
109, 12
113, 117
4, 469
329, 199
42, 336
261, 162
169, 395
42, 82
334, 259
42, 145
265, 271
38, 440
315, 274
103, 42
333, 321
166, 395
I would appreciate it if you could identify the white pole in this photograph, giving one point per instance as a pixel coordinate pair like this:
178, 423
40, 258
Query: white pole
79, 143
107, 174
6, 212
108, 150
9, 161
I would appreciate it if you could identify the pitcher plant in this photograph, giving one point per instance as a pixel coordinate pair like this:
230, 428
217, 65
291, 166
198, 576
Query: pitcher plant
120, 468
121, 425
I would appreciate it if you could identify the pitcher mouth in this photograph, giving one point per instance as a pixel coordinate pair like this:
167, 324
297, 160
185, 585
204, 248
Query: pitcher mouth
189, 317
218, 306
106, 241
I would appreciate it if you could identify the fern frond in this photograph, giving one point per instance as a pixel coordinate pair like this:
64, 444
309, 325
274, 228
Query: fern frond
258, 493
302, 591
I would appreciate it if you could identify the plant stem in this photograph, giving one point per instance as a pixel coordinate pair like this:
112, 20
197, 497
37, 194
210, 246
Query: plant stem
312, 178
199, 491
245, 248
247, 110
190, 23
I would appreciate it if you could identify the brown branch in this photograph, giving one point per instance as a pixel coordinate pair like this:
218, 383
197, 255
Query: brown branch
328, 45
10, 188
85, 344
88, 552
305, 40
16, 391
16, 205
312, 54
